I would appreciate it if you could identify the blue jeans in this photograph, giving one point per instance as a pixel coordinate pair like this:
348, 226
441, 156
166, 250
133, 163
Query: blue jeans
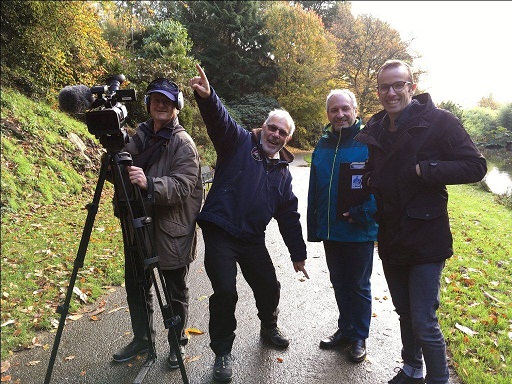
415, 293
350, 268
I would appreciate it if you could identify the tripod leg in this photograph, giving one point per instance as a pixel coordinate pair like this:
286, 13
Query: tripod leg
79, 262
137, 225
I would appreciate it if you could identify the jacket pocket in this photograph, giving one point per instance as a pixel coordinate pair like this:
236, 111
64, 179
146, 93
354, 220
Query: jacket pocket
175, 244
173, 228
426, 212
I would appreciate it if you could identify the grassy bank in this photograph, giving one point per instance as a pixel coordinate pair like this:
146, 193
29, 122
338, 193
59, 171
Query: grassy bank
476, 304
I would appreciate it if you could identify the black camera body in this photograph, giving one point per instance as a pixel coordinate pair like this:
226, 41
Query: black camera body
107, 114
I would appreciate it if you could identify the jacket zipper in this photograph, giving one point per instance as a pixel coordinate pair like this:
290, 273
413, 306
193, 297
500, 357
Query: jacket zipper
330, 187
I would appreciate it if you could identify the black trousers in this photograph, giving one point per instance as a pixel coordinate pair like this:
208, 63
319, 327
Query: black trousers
141, 311
222, 252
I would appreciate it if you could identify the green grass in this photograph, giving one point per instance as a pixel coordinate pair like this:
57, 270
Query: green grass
477, 287
39, 248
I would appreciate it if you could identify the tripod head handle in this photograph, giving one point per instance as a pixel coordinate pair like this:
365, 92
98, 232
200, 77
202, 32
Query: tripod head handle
125, 158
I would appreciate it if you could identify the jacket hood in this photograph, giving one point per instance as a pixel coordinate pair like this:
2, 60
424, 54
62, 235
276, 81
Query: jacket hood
284, 154
424, 104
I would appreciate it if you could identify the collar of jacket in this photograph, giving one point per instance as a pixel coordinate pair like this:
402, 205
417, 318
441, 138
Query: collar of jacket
424, 104
346, 133
284, 154
165, 132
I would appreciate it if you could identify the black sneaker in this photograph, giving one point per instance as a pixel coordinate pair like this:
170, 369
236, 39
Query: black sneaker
222, 370
136, 346
172, 361
402, 378
275, 335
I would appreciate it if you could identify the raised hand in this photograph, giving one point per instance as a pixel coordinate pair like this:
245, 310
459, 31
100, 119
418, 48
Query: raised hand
200, 83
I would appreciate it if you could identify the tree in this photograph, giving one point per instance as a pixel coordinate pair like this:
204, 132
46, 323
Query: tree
452, 107
505, 116
364, 45
229, 44
479, 123
252, 109
489, 102
306, 57
327, 10
49, 44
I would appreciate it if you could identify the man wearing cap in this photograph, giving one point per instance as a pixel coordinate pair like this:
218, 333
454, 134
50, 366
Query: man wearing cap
166, 169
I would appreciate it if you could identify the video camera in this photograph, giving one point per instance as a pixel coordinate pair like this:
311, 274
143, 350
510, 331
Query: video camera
105, 114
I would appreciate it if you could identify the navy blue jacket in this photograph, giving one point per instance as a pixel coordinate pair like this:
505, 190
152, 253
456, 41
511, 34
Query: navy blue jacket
247, 192
332, 150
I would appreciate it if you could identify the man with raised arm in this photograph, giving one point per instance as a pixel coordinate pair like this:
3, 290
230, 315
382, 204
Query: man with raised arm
252, 185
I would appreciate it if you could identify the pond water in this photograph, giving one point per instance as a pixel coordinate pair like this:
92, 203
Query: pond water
499, 182
499, 171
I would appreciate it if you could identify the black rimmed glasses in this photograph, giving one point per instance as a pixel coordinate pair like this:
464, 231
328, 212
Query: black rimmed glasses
398, 86
274, 128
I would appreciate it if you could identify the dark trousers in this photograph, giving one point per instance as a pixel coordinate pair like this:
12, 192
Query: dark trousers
415, 293
350, 268
141, 310
222, 252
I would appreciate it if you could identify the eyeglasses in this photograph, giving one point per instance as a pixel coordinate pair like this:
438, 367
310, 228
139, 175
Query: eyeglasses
274, 128
398, 86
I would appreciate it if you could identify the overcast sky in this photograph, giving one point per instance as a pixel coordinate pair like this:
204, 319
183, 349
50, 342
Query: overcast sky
465, 45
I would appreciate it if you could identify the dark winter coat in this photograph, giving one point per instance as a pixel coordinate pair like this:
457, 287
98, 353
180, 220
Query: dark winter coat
247, 191
174, 192
412, 210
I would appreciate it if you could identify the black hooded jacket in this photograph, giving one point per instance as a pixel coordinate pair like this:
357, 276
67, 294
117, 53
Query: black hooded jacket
412, 210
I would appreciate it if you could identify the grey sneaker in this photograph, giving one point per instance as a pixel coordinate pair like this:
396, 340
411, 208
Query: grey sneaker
172, 362
222, 368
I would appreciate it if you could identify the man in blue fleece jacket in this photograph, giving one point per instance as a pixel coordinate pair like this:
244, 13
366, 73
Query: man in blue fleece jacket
252, 185
340, 214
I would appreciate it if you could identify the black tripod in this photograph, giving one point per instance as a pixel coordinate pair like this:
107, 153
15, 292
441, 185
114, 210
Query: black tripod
137, 235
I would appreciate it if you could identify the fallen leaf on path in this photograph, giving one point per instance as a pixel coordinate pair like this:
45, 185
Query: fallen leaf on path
75, 317
69, 357
97, 311
6, 378
36, 342
32, 363
191, 359
115, 310
193, 331
279, 359
5, 366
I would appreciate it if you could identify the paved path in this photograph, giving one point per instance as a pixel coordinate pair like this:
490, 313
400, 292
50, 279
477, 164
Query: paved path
308, 313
